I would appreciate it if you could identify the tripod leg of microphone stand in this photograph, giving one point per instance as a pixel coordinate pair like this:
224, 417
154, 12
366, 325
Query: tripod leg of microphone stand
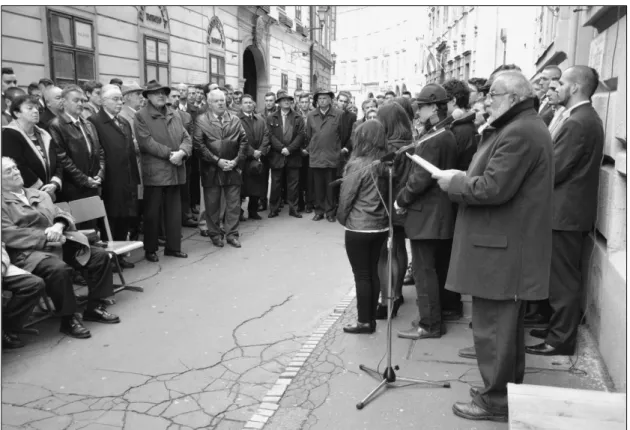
422, 381
372, 372
369, 397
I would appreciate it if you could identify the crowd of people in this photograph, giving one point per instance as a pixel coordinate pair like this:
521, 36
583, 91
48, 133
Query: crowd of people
504, 220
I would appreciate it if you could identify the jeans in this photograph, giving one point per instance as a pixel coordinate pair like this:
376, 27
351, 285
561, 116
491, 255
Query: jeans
363, 251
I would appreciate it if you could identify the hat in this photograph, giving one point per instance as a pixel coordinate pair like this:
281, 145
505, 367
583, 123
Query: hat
432, 93
320, 92
282, 94
131, 87
153, 86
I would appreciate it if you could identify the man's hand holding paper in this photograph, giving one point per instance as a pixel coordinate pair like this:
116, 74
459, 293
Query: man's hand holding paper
444, 177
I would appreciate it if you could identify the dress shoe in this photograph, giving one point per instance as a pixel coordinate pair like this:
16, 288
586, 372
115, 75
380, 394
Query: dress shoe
409, 277
204, 233
546, 349
536, 321
100, 314
234, 242
151, 256
469, 352
11, 341
472, 411
381, 310
539, 333
359, 328
178, 254
330, 218
308, 209
125, 264
273, 214
255, 216
190, 223
295, 214
419, 333
242, 218
318, 217
217, 241
73, 327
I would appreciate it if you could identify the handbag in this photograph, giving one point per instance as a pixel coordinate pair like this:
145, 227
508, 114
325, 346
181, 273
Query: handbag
255, 168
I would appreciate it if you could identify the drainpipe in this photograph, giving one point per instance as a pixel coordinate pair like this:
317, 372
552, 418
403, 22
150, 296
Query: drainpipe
573, 30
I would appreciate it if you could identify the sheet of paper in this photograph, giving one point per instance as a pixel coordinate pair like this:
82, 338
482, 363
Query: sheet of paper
424, 164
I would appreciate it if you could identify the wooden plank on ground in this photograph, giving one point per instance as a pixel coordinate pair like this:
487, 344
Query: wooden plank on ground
536, 407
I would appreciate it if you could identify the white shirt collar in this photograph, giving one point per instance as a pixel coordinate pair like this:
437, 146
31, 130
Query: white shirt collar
568, 111
109, 114
74, 120
324, 112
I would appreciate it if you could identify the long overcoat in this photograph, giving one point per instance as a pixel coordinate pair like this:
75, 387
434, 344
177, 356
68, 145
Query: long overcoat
502, 240
324, 134
258, 139
158, 134
120, 188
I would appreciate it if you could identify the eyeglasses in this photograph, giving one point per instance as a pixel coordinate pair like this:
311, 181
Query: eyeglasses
492, 95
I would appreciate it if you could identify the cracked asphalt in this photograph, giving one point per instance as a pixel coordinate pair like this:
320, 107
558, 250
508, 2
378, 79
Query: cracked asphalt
199, 348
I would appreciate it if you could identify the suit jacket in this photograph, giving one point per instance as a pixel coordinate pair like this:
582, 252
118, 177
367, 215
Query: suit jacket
130, 115
258, 139
36, 170
214, 141
465, 133
92, 108
120, 188
546, 113
23, 226
186, 120
294, 143
430, 212
78, 162
502, 241
45, 118
577, 153
159, 134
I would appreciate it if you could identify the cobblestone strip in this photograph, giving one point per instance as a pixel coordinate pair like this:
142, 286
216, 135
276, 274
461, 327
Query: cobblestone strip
270, 402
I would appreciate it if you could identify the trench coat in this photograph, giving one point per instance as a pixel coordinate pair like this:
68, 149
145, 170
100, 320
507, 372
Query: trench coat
120, 188
502, 241
23, 227
158, 134
324, 134
258, 139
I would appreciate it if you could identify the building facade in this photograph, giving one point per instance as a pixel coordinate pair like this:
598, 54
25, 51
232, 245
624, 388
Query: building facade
596, 36
465, 42
378, 58
258, 48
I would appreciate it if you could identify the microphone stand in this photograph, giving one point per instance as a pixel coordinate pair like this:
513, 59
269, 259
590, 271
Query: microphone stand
389, 378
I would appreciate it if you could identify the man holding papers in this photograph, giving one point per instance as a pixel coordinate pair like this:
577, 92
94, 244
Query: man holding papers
502, 242
430, 218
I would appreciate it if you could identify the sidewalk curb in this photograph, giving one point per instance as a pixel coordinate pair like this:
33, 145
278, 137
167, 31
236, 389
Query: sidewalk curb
270, 401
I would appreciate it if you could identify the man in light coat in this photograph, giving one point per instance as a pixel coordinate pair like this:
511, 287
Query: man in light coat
502, 243
164, 144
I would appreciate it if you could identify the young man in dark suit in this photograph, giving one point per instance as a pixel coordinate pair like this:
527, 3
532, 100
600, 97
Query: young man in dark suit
578, 146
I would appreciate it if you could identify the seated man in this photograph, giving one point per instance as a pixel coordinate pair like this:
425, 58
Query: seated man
25, 291
31, 226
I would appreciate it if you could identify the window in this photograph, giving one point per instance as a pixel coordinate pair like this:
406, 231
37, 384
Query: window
284, 83
217, 70
298, 13
156, 60
298, 83
71, 49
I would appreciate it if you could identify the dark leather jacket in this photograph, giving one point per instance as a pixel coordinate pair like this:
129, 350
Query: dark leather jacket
360, 205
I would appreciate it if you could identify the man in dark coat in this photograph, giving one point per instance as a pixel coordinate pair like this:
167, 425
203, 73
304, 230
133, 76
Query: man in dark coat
324, 132
120, 188
164, 144
577, 149
502, 242
255, 183
187, 104
305, 198
430, 220
54, 106
286, 130
462, 121
221, 143
78, 149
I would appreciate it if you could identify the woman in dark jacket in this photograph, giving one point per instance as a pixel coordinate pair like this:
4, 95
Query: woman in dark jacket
398, 133
363, 213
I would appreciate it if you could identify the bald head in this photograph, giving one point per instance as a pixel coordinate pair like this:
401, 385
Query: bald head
53, 98
586, 77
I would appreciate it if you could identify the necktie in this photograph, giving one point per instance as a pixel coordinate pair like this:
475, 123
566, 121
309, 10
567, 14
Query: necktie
85, 136
221, 119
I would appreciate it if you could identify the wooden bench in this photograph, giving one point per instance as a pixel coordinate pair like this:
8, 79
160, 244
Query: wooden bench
537, 407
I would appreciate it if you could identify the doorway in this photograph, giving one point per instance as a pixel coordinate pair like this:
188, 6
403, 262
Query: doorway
250, 74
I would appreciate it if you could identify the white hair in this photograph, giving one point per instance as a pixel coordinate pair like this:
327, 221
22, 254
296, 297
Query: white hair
181, 87
516, 83
7, 160
108, 89
48, 92
212, 95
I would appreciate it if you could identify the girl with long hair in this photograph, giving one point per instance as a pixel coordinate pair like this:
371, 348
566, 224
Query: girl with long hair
398, 133
362, 211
